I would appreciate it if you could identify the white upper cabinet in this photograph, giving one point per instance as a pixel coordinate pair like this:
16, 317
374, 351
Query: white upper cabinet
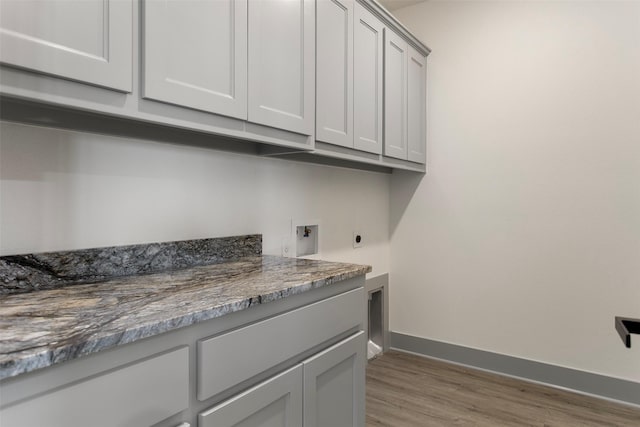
395, 90
334, 72
85, 40
340, 79
349, 64
368, 83
195, 54
416, 111
282, 64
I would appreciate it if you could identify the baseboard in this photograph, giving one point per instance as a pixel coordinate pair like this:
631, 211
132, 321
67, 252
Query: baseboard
582, 382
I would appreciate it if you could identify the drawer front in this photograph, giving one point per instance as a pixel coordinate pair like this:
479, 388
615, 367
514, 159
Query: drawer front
276, 402
137, 395
231, 358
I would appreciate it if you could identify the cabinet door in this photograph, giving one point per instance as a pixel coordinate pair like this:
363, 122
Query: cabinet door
395, 96
195, 54
276, 402
416, 106
282, 64
367, 64
86, 40
334, 385
334, 72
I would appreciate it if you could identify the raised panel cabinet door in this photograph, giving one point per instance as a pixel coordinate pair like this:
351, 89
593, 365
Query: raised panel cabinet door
195, 54
334, 72
416, 106
368, 83
334, 385
86, 40
395, 95
282, 64
276, 402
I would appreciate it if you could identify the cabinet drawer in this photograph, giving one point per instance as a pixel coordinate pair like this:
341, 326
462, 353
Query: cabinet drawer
229, 359
137, 395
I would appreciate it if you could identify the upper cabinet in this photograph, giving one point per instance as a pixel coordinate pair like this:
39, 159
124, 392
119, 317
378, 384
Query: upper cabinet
281, 64
368, 86
334, 72
90, 41
342, 79
416, 106
349, 76
195, 54
249, 60
405, 100
395, 96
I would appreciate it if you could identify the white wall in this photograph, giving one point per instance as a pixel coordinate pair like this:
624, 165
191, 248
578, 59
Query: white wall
68, 190
524, 236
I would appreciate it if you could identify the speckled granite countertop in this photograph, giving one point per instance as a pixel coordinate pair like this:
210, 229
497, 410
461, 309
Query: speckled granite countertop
46, 327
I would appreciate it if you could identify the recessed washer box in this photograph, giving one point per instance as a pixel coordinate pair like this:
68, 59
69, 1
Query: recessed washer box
306, 235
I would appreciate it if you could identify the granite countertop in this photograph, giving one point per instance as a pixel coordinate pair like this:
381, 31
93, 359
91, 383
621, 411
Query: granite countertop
45, 327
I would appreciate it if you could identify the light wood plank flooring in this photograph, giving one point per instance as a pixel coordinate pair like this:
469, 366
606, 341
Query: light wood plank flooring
407, 390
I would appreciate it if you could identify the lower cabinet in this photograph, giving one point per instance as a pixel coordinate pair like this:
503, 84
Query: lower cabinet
295, 362
276, 402
334, 385
326, 390
140, 394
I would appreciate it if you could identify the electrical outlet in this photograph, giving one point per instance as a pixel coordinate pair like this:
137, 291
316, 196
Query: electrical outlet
287, 250
358, 239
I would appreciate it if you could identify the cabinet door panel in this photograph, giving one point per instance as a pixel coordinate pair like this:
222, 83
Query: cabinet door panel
195, 54
416, 106
368, 56
395, 90
334, 385
276, 402
334, 76
86, 40
282, 64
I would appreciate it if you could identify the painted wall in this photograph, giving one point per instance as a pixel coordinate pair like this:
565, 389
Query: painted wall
524, 236
68, 190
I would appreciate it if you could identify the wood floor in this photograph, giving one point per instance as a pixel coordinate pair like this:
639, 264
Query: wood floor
407, 390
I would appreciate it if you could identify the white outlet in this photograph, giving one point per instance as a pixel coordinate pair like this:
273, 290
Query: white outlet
287, 250
358, 239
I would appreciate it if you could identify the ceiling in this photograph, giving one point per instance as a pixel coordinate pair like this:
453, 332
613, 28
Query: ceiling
397, 4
